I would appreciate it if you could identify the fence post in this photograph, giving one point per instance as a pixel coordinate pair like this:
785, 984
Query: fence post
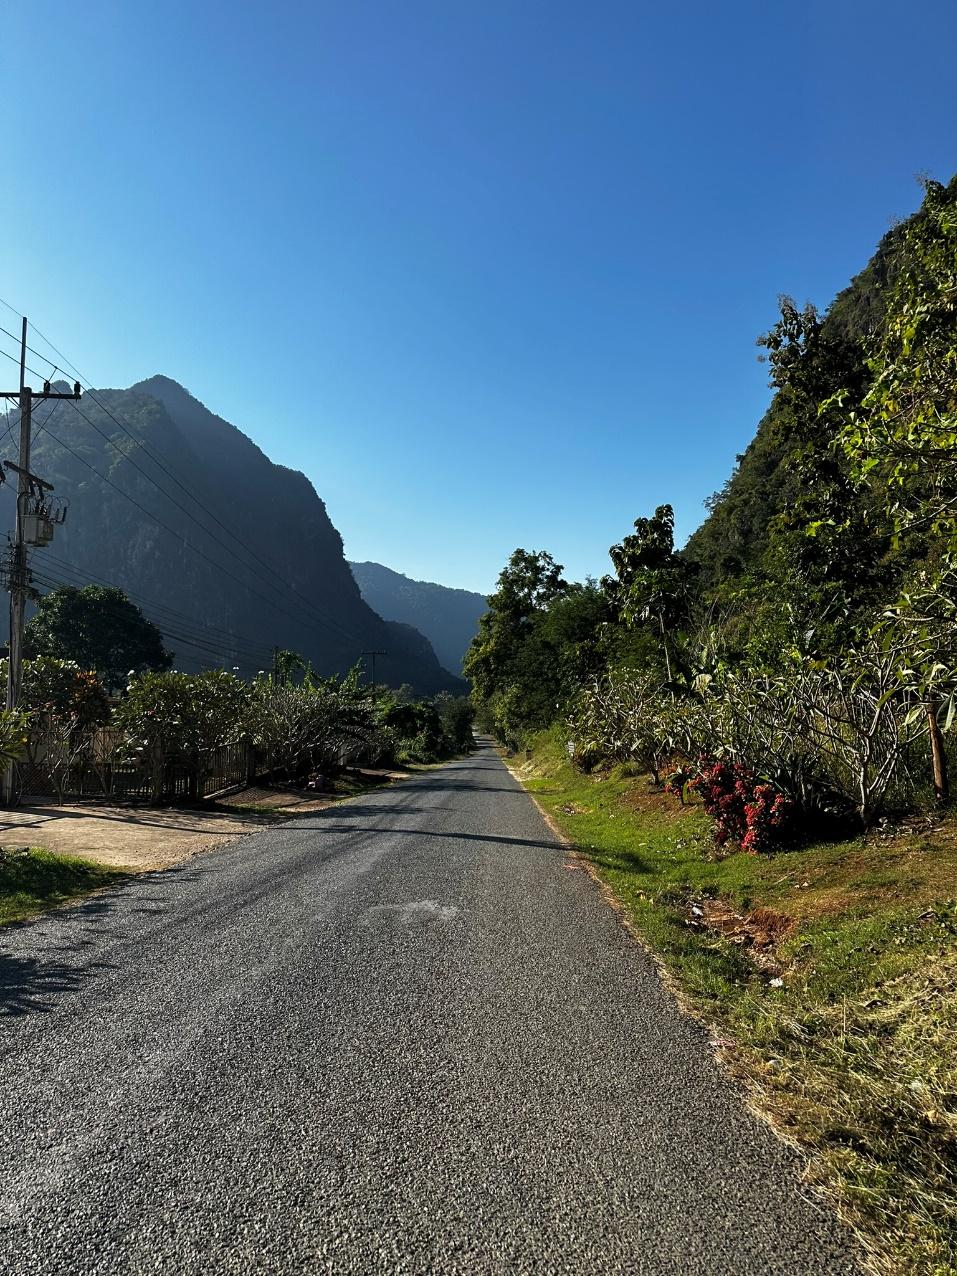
157, 773
250, 763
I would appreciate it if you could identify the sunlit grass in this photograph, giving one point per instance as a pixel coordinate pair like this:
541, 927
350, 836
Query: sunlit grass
847, 1026
33, 880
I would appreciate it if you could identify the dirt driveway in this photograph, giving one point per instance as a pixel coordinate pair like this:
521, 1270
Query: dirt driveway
125, 837
141, 838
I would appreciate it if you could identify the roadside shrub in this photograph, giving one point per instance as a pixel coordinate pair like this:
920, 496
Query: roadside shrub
181, 716
746, 810
318, 723
456, 715
67, 706
626, 771
677, 783
622, 718
14, 735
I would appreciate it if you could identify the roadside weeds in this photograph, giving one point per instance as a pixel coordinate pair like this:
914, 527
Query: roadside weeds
826, 978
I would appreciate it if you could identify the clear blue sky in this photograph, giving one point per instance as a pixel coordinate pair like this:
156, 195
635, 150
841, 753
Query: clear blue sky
489, 271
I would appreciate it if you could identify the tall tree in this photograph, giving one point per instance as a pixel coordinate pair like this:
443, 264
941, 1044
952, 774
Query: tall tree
652, 584
512, 672
99, 628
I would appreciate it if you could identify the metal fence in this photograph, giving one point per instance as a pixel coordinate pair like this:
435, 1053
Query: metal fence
105, 770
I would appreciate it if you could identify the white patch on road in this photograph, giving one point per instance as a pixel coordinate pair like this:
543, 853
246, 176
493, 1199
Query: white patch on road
416, 912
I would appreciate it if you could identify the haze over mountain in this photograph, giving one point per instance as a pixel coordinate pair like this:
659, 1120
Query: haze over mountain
231, 554
448, 617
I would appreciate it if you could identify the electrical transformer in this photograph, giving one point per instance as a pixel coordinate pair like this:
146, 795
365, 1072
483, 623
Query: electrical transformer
37, 530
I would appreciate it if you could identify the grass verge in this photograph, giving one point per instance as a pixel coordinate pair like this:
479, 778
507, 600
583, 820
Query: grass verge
32, 880
828, 972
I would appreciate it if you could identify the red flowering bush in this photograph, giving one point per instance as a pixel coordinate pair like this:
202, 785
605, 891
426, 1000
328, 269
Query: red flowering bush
745, 809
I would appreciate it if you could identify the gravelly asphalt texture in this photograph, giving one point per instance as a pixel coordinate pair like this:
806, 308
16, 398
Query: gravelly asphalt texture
399, 1036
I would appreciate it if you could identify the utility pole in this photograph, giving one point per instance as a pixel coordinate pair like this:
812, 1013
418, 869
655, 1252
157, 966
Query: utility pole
373, 654
36, 522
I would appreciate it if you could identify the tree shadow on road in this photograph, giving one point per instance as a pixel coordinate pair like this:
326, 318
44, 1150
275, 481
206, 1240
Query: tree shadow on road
33, 984
535, 843
452, 786
50, 956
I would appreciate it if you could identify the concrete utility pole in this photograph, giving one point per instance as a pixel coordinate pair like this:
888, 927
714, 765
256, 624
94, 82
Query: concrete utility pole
28, 485
373, 654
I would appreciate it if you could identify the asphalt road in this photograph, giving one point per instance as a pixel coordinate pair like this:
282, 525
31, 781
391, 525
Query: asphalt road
400, 1036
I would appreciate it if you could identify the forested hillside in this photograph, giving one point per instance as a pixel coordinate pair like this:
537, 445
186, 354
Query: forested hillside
791, 514
231, 554
448, 617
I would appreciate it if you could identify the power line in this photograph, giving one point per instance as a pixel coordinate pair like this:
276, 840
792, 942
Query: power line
308, 609
165, 614
309, 613
228, 650
45, 338
14, 359
39, 354
46, 422
176, 623
318, 617
160, 464
178, 616
178, 536
190, 638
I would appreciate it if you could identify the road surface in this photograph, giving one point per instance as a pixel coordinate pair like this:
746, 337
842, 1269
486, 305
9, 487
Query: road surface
399, 1036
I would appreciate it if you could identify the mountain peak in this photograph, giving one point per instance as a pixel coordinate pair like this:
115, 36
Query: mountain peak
448, 617
237, 558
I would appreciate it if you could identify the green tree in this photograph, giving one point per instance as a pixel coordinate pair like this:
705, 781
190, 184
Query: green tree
514, 679
68, 706
15, 726
286, 664
456, 715
181, 716
99, 628
653, 584
316, 723
904, 434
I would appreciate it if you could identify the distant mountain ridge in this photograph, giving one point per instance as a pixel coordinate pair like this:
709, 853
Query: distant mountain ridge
231, 554
448, 617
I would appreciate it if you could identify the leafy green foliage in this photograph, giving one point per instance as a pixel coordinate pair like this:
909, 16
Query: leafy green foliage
286, 665
456, 715
905, 432
426, 731
539, 638
652, 584
180, 714
319, 723
67, 706
15, 725
60, 687
99, 628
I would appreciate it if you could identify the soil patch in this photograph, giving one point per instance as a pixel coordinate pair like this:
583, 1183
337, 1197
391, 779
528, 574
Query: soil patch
141, 837
137, 838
